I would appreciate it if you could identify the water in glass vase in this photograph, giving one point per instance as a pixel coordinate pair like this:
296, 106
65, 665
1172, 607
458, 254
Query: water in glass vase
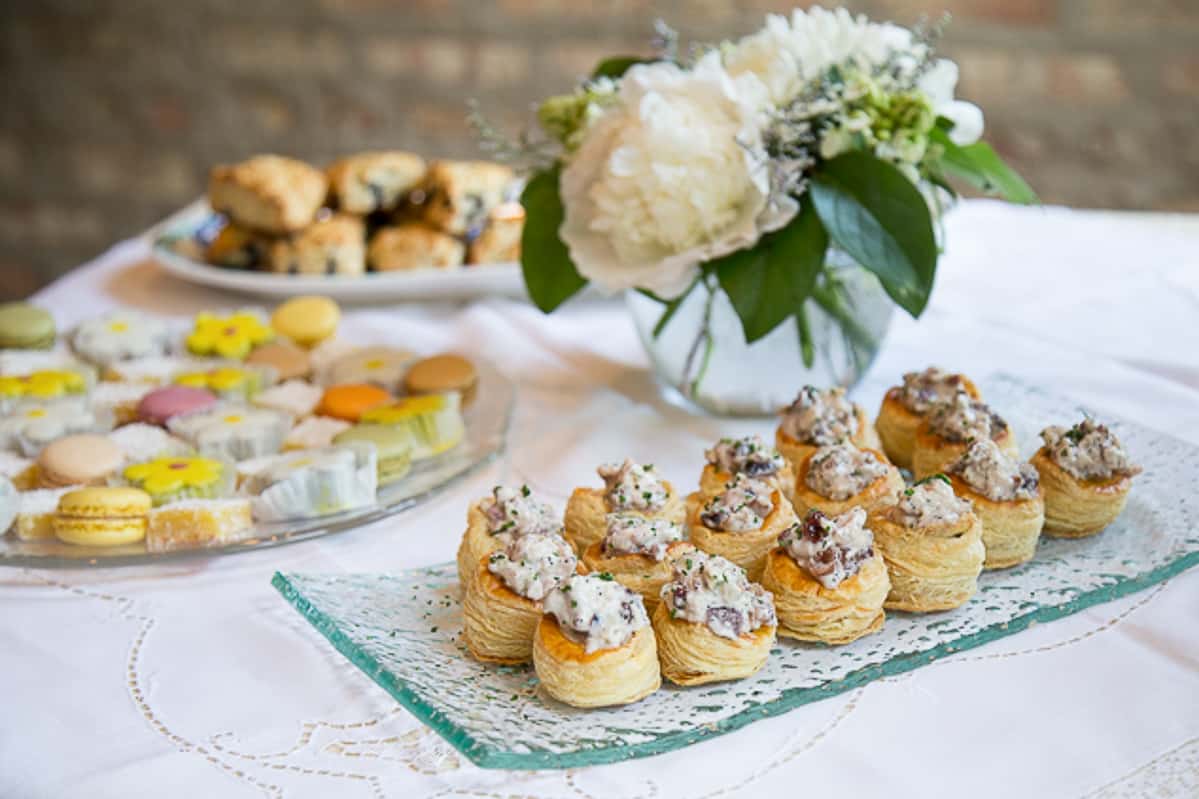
701, 358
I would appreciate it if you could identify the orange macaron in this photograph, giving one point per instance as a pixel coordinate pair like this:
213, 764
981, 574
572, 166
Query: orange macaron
350, 400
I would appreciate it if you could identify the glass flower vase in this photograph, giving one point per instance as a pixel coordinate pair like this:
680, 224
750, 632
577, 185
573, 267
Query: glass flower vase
702, 360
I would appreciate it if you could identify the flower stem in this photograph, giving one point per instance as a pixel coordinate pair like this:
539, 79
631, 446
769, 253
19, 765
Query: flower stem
704, 337
805, 337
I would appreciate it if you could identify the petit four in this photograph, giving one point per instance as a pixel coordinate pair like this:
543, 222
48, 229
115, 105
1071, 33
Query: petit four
230, 337
316, 482
119, 401
594, 646
10, 503
232, 431
120, 336
36, 511
162, 405
712, 624
103, 517
443, 373
433, 422
172, 478
296, 397
195, 523
288, 361
306, 320
229, 382
32, 426
349, 401
144, 442
80, 459
381, 366
314, 432
25, 327
393, 448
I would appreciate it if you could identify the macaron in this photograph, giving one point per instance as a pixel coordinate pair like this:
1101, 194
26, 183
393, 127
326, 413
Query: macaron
393, 447
25, 327
443, 373
349, 401
78, 460
103, 517
289, 361
307, 320
163, 404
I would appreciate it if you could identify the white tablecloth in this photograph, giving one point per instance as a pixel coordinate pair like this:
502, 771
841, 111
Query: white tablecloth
196, 679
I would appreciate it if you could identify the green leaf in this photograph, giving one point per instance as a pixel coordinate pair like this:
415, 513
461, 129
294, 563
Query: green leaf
550, 275
981, 167
881, 220
769, 281
616, 66
806, 348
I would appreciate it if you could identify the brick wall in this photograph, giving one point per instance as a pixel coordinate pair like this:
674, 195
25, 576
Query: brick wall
111, 111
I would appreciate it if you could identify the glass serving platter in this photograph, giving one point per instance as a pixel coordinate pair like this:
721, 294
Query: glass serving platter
403, 630
486, 419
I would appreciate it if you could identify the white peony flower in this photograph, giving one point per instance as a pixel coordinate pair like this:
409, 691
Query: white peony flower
673, 174
967, 118
785, 55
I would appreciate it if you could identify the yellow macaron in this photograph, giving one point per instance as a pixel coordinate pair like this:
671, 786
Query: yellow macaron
306, 320
104, 516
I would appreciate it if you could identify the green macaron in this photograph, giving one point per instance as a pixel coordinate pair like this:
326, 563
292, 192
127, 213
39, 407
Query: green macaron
392, 444
25, 327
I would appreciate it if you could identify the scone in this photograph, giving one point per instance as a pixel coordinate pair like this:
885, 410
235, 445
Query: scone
500, 239
367, 183
237, 247
413, 246
460, 194
269, 193
333, 246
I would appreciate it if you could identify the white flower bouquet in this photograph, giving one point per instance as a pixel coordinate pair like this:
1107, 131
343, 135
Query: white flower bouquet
746, 161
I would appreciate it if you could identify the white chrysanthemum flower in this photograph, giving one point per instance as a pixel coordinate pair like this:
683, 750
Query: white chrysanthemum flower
673, 174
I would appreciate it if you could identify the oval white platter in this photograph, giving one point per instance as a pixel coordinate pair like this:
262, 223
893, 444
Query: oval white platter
489, 280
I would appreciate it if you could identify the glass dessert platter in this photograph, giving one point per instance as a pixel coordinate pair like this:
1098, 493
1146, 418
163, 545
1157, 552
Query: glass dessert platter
486, 419
403, 629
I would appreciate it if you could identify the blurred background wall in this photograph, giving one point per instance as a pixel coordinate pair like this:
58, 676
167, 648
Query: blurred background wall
111, 111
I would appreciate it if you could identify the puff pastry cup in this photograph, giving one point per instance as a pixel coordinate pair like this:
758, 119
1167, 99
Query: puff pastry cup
965, 419
750, 456
587, 509
905, 406
492, 523
931, 542
1088, 496
882, 489
1007, 498
637, 571
829, 584
712, 624
614, 662
745, 548
826, 417
502, 606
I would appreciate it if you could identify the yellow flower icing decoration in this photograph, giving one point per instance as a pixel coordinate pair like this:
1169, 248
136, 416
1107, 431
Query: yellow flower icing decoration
44, 384
230, 336
404, 409
222, 380
168, 475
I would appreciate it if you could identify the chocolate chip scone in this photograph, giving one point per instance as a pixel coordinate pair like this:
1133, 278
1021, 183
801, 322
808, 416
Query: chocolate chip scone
333, 246
268, 193
236, 247
367, 183
413, 246
460, 194
500, 239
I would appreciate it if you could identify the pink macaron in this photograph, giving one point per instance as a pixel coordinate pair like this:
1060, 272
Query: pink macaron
163, 404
